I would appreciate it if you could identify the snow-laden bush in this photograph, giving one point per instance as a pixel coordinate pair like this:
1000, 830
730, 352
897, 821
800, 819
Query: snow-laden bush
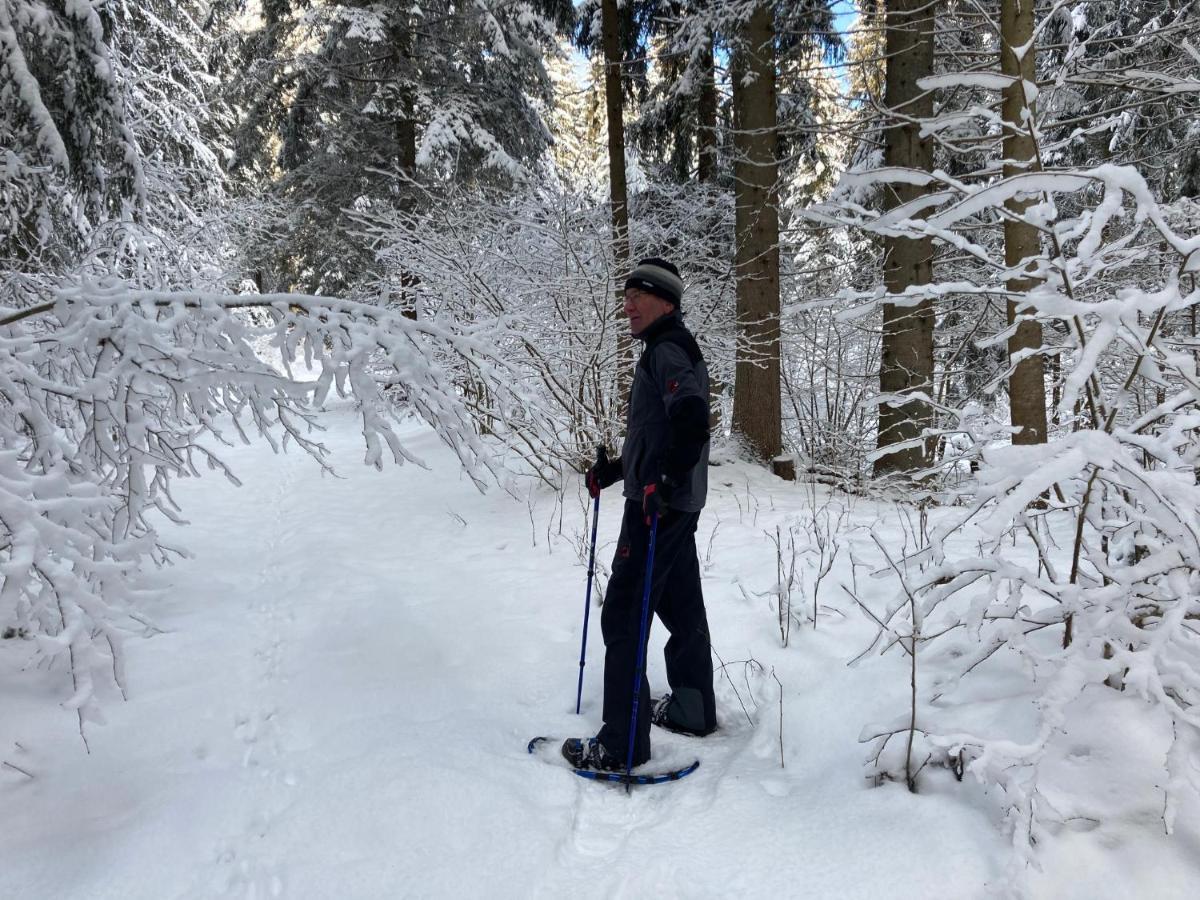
1079, 558
108, 393
541, 261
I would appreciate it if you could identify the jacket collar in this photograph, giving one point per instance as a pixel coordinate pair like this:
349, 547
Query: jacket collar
660, 325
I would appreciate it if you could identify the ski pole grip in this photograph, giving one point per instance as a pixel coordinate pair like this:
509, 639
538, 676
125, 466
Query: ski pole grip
601, 455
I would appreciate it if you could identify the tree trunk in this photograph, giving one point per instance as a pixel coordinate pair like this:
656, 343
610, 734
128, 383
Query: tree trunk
405, 131
614, 106
756, 395
1027, 383
706, 113
906, 364
706, 151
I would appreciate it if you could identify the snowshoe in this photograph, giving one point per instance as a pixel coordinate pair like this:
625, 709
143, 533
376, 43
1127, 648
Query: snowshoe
580, 747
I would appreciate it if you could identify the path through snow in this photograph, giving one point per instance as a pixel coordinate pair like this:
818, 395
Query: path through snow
350, 671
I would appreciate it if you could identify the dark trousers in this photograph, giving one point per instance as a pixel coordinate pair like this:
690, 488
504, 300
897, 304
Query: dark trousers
676, 598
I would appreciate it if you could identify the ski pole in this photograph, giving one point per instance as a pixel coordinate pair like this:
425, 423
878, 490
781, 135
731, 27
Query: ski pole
601, 457
641, 657
587, 603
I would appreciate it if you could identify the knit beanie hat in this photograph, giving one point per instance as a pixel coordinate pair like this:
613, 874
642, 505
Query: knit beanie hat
657, 276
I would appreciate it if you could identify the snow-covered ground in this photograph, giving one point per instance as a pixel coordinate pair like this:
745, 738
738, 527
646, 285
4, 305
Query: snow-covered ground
351, 667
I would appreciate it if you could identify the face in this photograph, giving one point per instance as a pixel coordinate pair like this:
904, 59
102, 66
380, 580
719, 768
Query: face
644, 309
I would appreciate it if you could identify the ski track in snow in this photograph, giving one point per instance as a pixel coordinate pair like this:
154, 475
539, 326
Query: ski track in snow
248, 862
350, 671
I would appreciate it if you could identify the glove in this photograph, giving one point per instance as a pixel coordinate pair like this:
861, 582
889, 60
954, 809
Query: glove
655, 498
602, 473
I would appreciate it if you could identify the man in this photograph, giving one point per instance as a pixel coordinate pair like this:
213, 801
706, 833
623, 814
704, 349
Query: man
664, 466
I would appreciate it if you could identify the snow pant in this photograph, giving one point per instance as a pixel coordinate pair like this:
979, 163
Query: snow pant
676, 598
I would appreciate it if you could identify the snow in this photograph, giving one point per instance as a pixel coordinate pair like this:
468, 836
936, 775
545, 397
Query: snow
349, 668
29, 91
363, 24
990, 80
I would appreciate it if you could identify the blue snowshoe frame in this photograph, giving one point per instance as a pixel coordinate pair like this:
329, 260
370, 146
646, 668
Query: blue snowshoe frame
621, 777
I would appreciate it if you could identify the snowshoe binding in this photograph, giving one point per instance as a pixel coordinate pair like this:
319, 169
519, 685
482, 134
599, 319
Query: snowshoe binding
660, 715
590, 754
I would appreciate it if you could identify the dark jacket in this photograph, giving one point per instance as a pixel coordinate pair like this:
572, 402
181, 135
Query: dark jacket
666, 429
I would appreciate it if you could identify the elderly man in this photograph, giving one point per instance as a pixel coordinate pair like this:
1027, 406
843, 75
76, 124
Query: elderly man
664, 468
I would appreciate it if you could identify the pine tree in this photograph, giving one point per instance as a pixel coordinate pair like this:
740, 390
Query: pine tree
619, 39
907, 353
112, 139
346, 104
577, 121
1027, 383
756, 395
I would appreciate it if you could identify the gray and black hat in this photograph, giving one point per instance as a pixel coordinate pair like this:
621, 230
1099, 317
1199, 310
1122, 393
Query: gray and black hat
659, 277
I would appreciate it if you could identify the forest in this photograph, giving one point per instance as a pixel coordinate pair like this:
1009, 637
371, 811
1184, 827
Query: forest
940, 256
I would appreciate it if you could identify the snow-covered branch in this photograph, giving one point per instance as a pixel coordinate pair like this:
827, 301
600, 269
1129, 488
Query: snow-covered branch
110, 393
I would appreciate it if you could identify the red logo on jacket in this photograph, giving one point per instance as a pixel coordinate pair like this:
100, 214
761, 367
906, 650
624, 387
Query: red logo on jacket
672, 386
